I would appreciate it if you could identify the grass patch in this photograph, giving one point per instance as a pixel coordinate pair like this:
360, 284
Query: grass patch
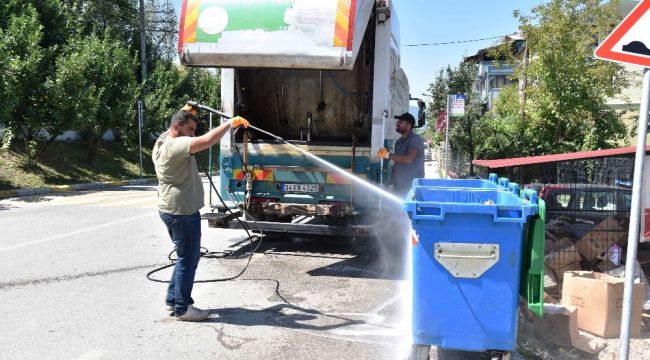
66, 163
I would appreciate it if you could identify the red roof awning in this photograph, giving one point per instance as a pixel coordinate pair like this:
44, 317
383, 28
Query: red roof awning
532, 160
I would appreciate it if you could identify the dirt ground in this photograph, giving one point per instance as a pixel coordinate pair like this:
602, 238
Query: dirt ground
531, 345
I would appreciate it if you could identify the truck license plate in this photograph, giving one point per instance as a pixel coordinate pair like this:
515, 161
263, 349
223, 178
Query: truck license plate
301, 188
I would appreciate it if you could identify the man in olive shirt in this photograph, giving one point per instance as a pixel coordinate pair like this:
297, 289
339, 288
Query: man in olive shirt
408, 155
180, 197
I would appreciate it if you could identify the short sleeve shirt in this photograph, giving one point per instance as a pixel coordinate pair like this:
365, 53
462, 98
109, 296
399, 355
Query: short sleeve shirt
403, 174
180, 190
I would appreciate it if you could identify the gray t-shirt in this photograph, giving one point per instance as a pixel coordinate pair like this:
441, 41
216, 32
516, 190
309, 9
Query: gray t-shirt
180, 190
403, 174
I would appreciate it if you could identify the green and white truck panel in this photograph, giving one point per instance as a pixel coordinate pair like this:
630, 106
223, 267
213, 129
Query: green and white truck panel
306, 34
323, 75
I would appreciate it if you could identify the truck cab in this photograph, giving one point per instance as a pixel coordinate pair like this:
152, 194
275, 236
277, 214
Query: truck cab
323, 75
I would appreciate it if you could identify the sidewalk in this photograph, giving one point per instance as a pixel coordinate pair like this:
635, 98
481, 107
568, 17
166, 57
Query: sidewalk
431, 170
74, 187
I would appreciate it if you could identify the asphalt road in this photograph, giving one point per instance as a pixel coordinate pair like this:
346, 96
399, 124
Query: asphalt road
73, 286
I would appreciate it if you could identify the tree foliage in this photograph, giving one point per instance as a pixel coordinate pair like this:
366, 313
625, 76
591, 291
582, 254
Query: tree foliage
466, 133
95, 87
72, 65
171, 86
560, 103
566, 92
21, 76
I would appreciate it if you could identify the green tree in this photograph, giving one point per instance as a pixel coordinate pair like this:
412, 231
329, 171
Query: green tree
162, 31
21, 78
34, 32
437, 93
50, 14
95, 87
466, 133
6, 84
567, 89
117, 18
170, 86
502, 127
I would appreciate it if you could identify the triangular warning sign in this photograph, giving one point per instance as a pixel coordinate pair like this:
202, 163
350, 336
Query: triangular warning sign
629, 43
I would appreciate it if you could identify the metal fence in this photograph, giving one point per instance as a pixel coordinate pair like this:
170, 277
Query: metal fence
458, 164
588, 206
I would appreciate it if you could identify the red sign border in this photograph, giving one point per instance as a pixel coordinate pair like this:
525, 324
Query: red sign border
604, 50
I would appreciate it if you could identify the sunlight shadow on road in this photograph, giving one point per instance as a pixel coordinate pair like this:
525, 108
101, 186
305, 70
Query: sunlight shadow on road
283, 315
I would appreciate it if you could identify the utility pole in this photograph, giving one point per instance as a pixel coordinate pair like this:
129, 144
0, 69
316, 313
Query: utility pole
143, 68
143, 45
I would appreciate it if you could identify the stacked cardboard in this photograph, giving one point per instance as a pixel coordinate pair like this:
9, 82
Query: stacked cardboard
563, 256
595, 243
599, 300
599, 249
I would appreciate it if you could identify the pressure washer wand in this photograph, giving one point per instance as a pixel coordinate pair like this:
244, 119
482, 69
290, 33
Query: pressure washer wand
267, 133
207, 108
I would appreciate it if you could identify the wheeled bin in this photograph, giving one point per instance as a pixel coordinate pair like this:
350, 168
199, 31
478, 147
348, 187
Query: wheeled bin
467, 262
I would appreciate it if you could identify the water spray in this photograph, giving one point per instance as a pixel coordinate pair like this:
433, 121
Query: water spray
324, 162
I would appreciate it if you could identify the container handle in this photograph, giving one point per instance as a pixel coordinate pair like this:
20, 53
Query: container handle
514, 188
530, 195
424, 211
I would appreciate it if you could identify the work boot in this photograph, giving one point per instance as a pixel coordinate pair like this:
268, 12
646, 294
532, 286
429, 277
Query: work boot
193, 314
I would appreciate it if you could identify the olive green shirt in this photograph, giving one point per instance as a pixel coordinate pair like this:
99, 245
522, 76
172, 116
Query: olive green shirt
180, 190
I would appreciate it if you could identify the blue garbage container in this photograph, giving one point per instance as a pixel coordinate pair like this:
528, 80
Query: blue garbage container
466, 264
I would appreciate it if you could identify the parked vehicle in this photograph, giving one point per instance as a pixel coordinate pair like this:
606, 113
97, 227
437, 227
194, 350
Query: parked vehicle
574, 209
427, 154
323, 75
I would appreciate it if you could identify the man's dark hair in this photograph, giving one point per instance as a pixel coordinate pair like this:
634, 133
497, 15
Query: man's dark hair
181, 117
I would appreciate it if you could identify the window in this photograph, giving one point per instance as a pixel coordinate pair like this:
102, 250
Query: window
604, 201
559, 201
498, 82
627, 202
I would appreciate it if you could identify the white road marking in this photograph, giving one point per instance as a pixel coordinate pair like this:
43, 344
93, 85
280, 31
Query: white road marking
55, 237
92, 355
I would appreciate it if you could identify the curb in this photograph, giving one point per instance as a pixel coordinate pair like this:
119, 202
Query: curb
74, 187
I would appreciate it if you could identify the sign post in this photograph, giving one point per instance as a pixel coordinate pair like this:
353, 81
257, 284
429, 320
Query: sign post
629, 43
140, 123
455, 108
210, 163
457, 105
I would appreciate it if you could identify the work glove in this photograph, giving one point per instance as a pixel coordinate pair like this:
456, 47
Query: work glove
238, 121
383, 153
191, 109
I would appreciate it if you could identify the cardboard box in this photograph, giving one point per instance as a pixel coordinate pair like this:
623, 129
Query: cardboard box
560, 327
605, 234
599, 299
594, 248
559, 273
561, 260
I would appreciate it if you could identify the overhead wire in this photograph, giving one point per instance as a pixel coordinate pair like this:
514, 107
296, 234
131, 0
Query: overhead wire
454, 42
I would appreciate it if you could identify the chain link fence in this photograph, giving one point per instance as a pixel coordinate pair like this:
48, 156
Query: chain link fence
588, 212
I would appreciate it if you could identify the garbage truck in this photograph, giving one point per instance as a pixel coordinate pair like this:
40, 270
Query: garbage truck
322, 75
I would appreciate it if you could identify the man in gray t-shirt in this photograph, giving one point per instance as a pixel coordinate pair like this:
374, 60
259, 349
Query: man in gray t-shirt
408, 156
